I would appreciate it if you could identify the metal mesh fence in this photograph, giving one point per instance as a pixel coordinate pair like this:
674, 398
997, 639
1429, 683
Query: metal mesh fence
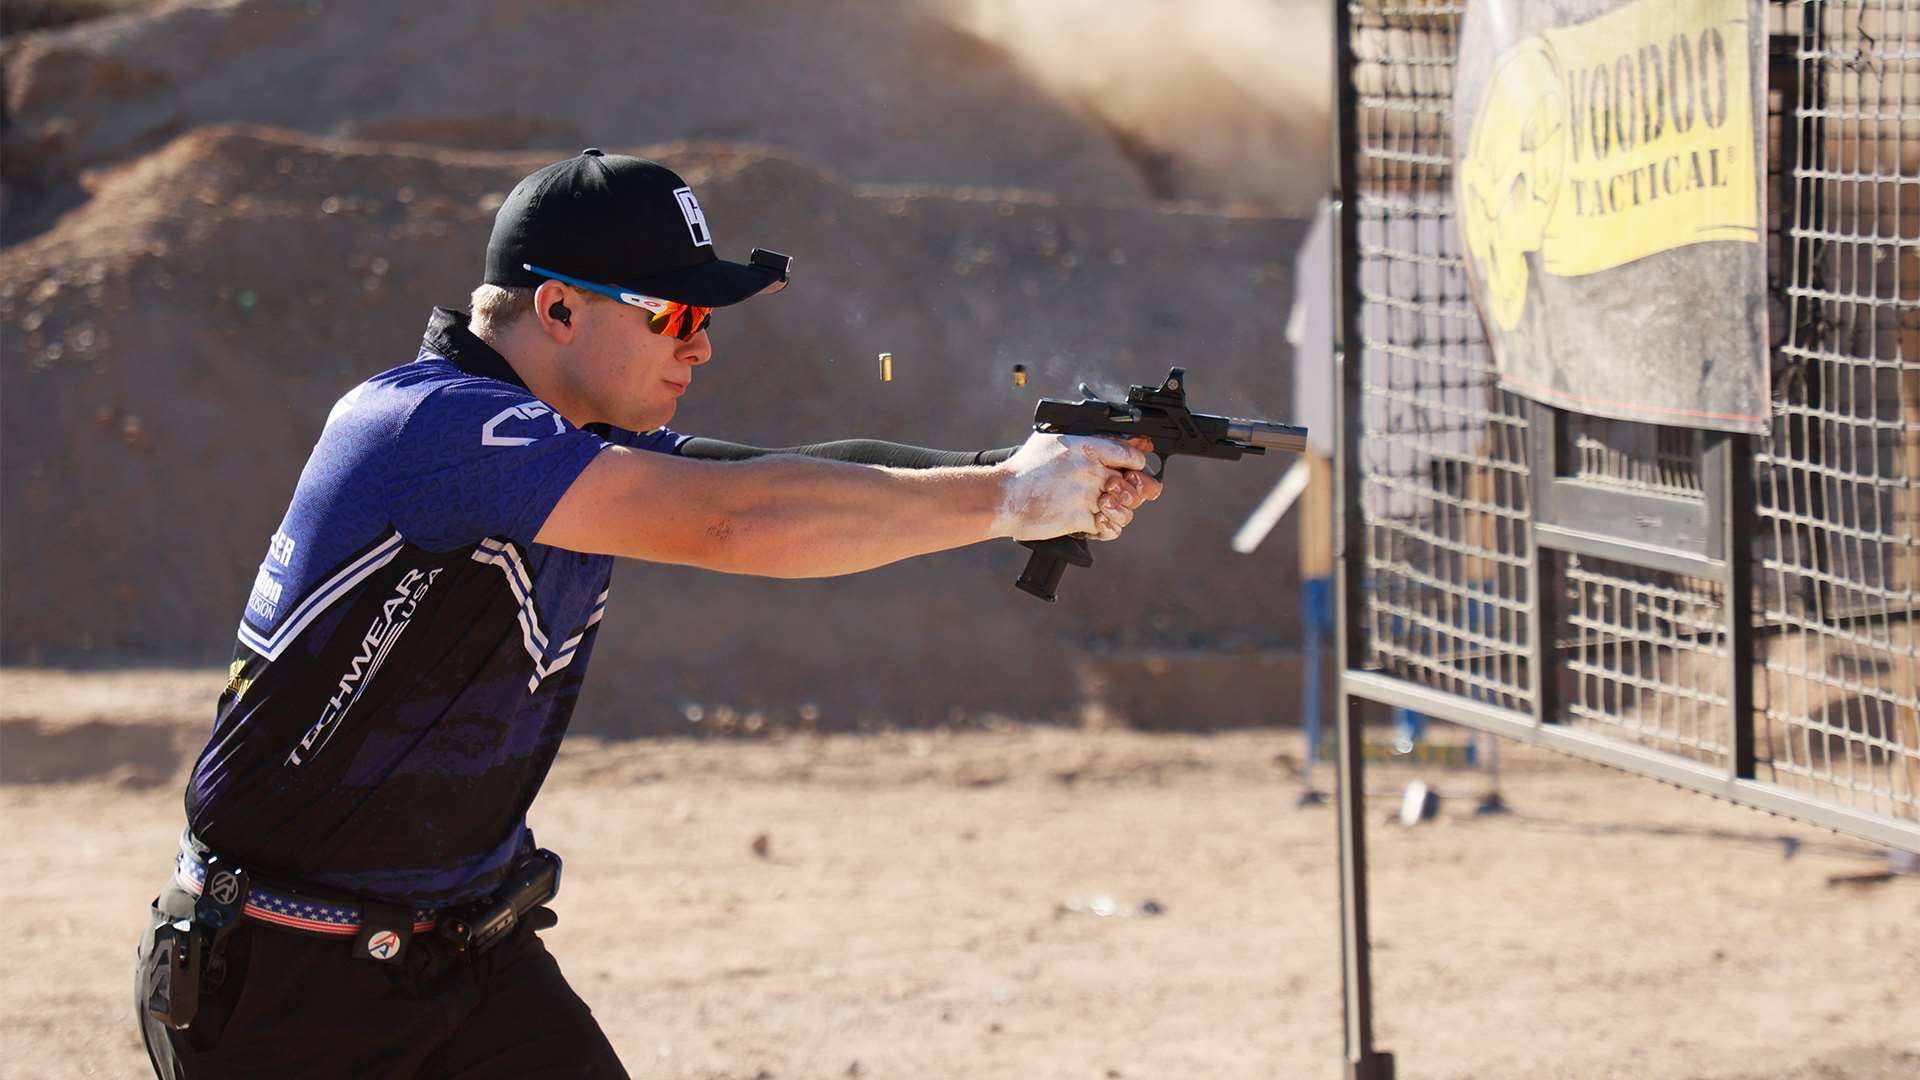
1839, 503
1645, 656
1444, 473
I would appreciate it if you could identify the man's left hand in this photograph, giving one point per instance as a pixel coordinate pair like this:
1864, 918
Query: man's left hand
1125, 494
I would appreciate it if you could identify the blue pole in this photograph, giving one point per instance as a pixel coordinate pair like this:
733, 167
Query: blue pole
1316, 618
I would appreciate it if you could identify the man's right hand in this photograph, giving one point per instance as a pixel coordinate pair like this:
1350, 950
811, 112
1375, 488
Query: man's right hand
1053, 486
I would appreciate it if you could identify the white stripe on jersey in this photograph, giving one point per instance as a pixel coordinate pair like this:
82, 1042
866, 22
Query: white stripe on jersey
321, 598
506, 556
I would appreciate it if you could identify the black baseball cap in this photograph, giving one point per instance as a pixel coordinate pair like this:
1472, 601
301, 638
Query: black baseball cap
620, 221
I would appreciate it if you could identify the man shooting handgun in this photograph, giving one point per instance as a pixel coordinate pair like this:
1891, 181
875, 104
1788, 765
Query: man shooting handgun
357, 891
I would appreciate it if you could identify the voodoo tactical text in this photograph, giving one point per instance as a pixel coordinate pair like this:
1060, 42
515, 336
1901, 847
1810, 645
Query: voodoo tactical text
1158, 413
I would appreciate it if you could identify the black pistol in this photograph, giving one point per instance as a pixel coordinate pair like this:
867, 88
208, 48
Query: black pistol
1159, 413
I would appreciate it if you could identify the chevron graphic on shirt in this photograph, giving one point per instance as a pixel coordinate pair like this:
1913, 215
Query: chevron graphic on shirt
341, 584
565, 656
506, 556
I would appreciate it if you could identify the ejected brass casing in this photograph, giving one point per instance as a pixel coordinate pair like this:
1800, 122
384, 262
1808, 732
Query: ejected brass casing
886, 367
1019, 374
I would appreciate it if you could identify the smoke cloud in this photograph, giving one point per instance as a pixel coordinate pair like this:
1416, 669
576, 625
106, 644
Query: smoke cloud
1214, 100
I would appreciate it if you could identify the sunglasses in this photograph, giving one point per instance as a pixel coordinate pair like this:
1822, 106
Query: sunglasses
664, 316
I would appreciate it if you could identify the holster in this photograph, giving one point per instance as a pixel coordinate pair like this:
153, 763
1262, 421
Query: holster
173, 987
190, 953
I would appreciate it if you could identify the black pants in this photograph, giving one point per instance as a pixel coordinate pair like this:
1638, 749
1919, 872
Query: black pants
293, 1005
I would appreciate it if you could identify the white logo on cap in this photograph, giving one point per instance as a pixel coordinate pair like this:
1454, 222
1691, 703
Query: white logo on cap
696, 221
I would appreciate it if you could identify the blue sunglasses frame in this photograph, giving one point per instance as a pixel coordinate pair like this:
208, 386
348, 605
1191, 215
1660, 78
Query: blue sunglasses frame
653, 304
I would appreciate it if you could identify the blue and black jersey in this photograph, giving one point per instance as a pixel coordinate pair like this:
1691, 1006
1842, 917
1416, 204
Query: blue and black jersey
409, 657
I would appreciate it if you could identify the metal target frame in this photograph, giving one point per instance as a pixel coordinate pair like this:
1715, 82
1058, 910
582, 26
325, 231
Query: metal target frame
1731, 614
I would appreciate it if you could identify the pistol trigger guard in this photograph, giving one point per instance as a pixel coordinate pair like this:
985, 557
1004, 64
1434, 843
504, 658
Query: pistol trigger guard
1159, 470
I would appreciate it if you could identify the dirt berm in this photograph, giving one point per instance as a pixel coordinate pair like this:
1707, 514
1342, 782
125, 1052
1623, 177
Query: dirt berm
887, 91
172, 348
1100, 100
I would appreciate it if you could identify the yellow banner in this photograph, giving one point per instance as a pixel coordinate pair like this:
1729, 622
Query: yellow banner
1605, 142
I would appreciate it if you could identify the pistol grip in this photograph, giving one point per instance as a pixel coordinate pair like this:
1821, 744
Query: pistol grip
1049, 562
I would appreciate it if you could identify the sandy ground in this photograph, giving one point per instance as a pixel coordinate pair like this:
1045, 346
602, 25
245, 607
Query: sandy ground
923, 910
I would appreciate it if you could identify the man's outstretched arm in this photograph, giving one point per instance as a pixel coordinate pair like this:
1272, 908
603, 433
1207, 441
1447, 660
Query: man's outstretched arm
803, 517
857, 451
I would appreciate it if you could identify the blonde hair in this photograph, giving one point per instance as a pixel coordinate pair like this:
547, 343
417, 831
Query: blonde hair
496, 307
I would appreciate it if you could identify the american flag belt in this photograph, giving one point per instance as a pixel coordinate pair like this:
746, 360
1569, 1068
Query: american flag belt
288, 909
